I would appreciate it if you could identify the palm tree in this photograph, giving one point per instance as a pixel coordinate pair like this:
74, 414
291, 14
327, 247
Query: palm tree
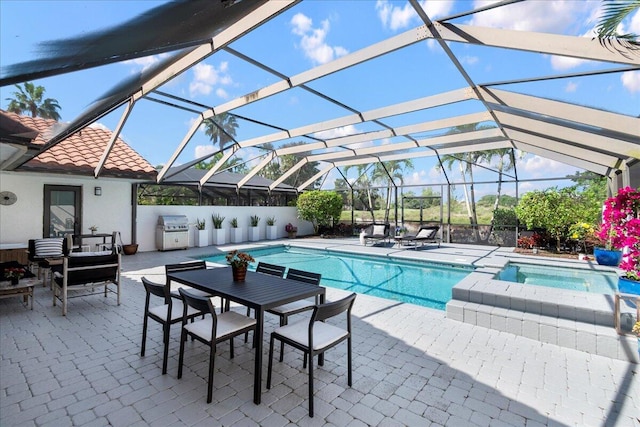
221, 128
29, 99
613, 13
466, 162
396, 170
365, 184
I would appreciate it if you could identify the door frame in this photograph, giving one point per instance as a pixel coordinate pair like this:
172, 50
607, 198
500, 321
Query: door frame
48, 188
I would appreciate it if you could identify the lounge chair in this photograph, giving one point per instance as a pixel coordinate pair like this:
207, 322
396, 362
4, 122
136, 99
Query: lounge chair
376, 232
426, 234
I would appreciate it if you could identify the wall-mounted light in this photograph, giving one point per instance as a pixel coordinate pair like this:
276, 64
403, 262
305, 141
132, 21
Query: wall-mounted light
97, 191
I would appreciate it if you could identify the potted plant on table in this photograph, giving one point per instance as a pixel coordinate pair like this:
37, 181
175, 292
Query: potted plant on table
272, 231
239, 262
93, 229
219, 235
254, 231
621, 230
14, 274
202, 235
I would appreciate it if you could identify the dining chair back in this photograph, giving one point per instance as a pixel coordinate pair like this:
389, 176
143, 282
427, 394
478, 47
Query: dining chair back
315, 337
295, 307
169, 312
185, 266
210, 330
272, 269
266, 268
304, 276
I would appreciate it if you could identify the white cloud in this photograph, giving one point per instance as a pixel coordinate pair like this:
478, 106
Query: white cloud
313, 40
222, 93
469, 60
416, 177
206, 77
565, 62
396, 17
203, 150
631, 81
540, 167
571, 87
557, 16
336, 132
141, 64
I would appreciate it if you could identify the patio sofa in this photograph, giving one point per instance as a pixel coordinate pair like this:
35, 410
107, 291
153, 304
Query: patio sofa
86, 270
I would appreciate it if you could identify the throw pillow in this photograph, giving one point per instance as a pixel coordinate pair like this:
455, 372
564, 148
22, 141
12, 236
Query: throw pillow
51, 247
378, 230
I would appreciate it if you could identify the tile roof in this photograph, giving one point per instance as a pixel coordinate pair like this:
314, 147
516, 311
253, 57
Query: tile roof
80, 153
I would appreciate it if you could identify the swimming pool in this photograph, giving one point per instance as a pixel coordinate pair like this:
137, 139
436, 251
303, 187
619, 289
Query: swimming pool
420, 283
594, 281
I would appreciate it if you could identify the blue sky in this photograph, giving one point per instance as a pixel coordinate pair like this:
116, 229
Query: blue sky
313, 33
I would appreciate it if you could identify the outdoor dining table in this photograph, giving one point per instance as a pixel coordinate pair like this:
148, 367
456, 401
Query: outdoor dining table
259, 291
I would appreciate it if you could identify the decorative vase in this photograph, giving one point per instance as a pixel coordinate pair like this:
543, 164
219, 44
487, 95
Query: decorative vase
607, 257
628, 286
219, 236
254, 234
15, 281
93, 232
239, 273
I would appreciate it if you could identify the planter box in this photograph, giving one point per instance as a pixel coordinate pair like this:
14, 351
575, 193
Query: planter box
236, 235
219, 236
202, 238
272, 232
254, 234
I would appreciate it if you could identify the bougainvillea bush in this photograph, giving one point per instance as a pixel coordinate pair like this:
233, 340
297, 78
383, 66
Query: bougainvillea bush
621, 228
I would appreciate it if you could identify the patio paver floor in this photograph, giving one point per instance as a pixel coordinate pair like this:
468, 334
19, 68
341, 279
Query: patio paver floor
412, 366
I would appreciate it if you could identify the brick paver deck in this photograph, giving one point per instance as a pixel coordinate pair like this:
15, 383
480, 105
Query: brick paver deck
412, 366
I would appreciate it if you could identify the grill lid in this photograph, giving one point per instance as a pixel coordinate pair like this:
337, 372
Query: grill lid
173, 222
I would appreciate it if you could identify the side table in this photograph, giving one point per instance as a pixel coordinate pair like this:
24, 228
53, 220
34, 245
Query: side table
24, 288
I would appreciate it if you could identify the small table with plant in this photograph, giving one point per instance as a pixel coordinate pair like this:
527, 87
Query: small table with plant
23, 288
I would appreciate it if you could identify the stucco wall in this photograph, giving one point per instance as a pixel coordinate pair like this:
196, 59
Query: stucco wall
148, 218
24, 219
112, 211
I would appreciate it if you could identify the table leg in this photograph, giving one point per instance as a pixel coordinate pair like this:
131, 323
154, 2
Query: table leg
321, 355
257, 343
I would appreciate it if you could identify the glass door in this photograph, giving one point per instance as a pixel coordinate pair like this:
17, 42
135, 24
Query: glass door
62, 210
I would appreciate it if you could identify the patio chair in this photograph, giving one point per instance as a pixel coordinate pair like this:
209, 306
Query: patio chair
376, 233
185, 266
295, 307
314, 337
41, 251
170, 312
266, 268
210, 330
426, 234
85, 270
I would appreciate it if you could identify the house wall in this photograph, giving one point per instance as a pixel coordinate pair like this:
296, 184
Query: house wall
147, 220
112, 211
24, 219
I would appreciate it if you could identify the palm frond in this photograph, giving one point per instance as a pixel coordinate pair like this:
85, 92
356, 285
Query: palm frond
614, 12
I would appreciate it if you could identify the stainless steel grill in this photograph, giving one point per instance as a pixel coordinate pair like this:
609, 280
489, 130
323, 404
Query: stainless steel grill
172, 232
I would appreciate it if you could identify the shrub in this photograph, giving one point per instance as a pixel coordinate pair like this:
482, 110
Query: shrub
319, 207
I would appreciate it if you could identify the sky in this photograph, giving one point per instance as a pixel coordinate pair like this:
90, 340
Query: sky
314, 33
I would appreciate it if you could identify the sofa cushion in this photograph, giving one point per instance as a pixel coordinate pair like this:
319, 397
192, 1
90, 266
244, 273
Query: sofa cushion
378, 230
50, 247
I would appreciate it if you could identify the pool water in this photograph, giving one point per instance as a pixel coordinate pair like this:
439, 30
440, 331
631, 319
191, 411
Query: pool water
600, 282
420, 283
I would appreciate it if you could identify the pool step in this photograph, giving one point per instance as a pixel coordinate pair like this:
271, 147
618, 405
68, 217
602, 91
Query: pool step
572, 319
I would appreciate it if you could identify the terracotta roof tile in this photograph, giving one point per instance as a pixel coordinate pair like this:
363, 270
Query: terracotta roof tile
81, 152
